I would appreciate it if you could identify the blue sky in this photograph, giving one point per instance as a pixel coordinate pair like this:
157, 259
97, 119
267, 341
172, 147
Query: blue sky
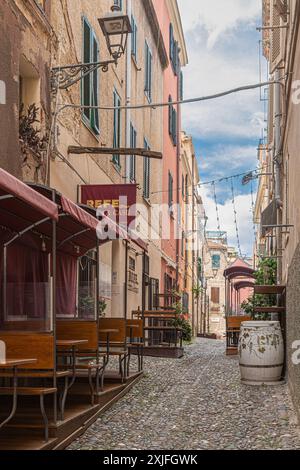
222, 44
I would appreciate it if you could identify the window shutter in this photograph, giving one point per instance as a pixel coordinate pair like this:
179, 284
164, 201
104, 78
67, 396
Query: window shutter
171, 42
275, 37
170, 117
86, 95
94, 100
215, 295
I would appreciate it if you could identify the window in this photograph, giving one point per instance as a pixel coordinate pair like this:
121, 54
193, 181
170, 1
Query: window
134, 38
117, 128
131, 263
170, 190
132, 162
216, 261
186, 189
172, 122
215, 295
148, 72
146, 182
185, 302
182, 187
181, 86
89, 94
174, 51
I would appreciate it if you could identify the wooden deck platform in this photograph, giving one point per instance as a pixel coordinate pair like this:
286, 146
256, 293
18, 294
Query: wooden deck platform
25, 432
164, 351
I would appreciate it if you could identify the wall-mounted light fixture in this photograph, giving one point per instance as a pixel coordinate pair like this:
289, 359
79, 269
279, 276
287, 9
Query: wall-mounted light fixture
115, 28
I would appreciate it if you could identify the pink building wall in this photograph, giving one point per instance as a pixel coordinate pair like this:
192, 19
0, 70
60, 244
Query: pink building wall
170, 151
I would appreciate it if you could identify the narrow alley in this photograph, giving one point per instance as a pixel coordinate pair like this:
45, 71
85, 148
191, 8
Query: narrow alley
196, 403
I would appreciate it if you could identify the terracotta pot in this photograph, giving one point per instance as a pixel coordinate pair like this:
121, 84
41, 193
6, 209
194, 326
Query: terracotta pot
261, 352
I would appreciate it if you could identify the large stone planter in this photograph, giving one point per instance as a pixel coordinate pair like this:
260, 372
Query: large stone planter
261, 353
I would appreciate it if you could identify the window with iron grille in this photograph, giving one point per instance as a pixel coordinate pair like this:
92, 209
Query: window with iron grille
117, 128
90, 83
148, 72
132, 163
146, 170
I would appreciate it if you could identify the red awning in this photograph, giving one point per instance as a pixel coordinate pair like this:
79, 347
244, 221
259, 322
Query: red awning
9, 185
22, 208
79, 214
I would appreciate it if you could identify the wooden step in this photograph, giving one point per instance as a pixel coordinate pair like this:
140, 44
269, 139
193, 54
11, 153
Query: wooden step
28, 391
269, 289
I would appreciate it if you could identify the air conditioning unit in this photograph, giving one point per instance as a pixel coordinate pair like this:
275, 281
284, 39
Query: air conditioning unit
282, 8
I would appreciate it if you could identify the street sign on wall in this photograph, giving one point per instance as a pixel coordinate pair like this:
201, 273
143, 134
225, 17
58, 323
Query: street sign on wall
118, 201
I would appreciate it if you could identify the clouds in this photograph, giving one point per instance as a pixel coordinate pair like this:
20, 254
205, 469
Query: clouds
222, 45
218, 16
244, 219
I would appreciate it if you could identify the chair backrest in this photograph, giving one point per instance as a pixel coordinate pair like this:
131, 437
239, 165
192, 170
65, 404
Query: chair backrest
236, 321
113, 324
79, 330
30, 346
137, 332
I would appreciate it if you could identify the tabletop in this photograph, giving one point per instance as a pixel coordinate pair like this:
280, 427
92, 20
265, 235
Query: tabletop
109, 331
7, 363
71, 342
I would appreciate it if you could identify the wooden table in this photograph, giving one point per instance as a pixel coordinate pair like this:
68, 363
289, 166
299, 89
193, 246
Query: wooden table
14, 364
71, 344
108, 332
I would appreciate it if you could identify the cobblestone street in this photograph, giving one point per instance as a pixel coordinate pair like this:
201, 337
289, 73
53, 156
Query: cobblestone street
195, 403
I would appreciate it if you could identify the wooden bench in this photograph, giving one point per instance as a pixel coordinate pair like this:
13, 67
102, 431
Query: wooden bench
135, 330
117, 341
233, 327
42, 347
88, 355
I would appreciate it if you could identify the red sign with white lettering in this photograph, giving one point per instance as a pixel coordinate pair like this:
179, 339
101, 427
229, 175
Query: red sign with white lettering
115, 200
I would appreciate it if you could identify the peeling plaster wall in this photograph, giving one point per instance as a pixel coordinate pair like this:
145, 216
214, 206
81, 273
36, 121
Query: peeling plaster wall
24, 38
10, 37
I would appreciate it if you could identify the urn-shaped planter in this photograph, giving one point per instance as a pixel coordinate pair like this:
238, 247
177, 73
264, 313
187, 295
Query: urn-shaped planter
261, 353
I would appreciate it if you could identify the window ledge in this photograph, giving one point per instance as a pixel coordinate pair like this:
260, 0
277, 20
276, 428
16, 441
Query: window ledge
90, 129
147, 201
134, 60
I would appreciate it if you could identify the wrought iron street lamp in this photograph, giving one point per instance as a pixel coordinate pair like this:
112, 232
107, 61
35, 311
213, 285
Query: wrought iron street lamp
115, 28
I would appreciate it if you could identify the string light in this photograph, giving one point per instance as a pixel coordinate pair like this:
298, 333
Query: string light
235, 220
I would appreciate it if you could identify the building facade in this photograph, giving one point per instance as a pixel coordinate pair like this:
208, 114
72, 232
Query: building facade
45, 120
192, 236
170, 23
282, 52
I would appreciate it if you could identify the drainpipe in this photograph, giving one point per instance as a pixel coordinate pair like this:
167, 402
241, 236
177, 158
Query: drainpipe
193, 254
277, 162
128, 96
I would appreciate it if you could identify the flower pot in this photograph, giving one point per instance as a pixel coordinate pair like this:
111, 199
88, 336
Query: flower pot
261, 352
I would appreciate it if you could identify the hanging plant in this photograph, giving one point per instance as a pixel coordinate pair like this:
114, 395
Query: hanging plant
266, 274
30, 135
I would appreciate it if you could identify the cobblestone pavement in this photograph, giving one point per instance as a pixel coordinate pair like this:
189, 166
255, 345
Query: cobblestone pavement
195, 403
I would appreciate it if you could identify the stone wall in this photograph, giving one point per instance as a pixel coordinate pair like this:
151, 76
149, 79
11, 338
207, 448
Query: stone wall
293, 326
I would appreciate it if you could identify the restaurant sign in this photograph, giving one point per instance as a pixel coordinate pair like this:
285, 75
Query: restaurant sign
117, 201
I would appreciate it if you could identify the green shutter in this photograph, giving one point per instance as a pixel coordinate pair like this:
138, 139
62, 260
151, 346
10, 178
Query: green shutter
86, 94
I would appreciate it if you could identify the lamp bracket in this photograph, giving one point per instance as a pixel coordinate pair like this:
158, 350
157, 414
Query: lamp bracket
64, 77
